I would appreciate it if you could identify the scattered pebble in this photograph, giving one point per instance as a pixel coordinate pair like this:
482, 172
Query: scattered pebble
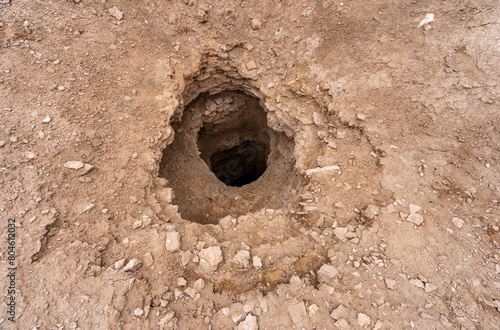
297, 312
457, 222
416, 282
46, 120
327, 272
133, 265
257, 262
138, 312
364, 320
251, 65
116, 13
256, 24
429, 287
210, 258
74, 164
415, 218
2, 143
390, 283
199, 284
242, 258
172, 243
250, 323
340, 312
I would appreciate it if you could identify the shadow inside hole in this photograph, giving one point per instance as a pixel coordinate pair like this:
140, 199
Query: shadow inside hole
241, 164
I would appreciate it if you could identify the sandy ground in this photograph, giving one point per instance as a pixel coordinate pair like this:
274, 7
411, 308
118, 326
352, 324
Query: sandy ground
378, 209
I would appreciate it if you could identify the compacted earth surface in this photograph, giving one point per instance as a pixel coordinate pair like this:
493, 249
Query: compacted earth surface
249, 164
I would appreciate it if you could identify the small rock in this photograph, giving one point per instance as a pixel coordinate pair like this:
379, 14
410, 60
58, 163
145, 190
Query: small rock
2, 143
210, 258
148, 259
137, 224
379, 325
251, 65
250, 323
457, 222
418, 283
242, 258
342, 325
186, 257
181, 281
138, 312
74, 164
190, 292
257, 262
116, 13
119, 264
364, 320
61, 88
390, 283
256, 24
415, 218
297, 312
172, 242
414, 208
313, 310
340, 312
371, 211
46, 120
327, 272
199, 284
227, 222
133, 265
340, 233
429, 287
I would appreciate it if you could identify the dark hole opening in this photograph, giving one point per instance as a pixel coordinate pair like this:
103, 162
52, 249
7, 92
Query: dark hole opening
240, 165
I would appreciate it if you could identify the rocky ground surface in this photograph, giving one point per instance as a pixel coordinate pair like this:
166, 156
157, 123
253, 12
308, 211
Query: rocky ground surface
389, 220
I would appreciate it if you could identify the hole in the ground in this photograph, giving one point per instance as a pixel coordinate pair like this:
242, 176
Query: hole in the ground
225, 159
235, 146
240, 165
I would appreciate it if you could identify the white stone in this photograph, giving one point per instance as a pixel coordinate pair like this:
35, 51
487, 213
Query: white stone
210, 258
137, 224
138, 312
119, 264
256, 24
416, 282
199, 284
457, 222
313, 310
340, 312
250, 323
181, 281
190, 292
340, 233
74, 164
242, 258
429, 287
148, 259
297, 312
415, 218
251, 65
364, 320
414, 208
342, 325
133, 265
227, 222
390, 283
327, 272
116, 13
172, 243
257, 262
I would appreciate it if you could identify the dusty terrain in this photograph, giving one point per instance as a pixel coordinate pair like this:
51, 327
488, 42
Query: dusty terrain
375, 124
